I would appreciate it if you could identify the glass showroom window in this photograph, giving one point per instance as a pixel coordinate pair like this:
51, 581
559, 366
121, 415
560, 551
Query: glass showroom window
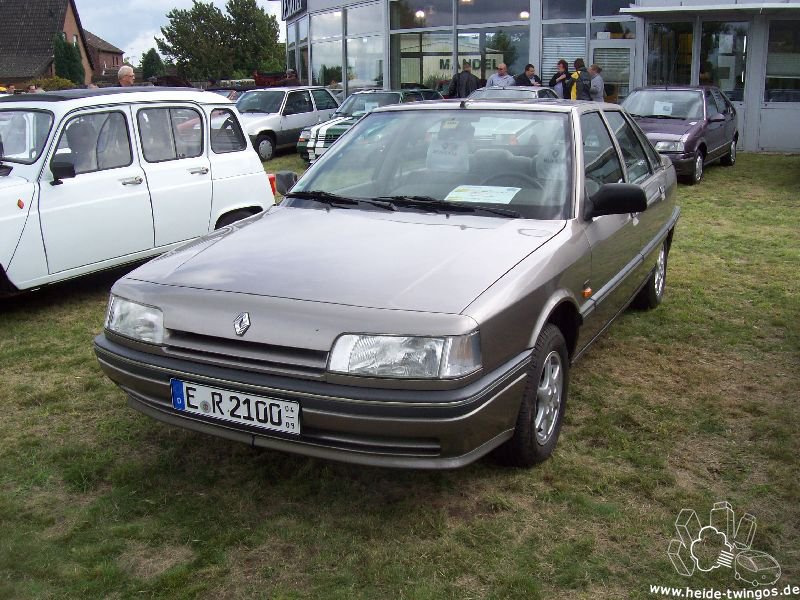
487, 49
364, 63
302, 29
326, 25
491, 11
422, 59
783, 62
291, 46
364, 19
604, 8
722, 57
614, 30
326, 64
669, 53
412, 14
563, 9
561, 40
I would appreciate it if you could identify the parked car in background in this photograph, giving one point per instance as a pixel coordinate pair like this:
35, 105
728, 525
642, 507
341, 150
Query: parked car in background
427, 94
315, 140
516, 92
228, 92
92, 179
692, 125
274, 117
418, 297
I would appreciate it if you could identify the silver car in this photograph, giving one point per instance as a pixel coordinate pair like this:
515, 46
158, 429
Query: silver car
418, 298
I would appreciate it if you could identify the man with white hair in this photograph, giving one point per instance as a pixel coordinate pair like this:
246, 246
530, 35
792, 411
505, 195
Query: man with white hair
125, 76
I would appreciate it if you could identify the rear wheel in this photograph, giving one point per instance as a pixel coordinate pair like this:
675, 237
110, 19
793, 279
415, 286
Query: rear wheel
265, 147
652, 293
542, 410
730, 158
232, 217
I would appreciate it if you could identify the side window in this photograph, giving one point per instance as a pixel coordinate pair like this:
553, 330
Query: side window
632, 151
297, 103
412, 97
170, 133
324, 100
96, 142
226, 134
600, 158
711, 105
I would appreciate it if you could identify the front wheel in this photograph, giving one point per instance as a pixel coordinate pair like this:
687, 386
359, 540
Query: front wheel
652, 293
697, 169
265, 147
542, 410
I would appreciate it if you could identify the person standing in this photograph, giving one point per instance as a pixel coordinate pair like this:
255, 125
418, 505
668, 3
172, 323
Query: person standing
463, 83
528, 77
580, 82
597, 89
125, 76
501, 78
559, 81
290, 80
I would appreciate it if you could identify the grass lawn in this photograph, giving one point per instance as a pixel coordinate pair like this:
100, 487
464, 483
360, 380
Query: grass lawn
690, 404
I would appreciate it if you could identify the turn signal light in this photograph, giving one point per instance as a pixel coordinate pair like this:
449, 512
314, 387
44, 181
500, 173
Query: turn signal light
587, 292
272, 183
20, 203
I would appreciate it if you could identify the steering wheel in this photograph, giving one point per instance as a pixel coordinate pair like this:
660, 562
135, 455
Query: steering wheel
508, 178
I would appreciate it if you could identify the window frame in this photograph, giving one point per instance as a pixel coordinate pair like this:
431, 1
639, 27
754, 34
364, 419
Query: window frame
650, 167
172, 129
81, 115
238, 125
323, 91
614, 144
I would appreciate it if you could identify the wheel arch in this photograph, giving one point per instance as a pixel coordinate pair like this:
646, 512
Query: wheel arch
563, 312
252, 209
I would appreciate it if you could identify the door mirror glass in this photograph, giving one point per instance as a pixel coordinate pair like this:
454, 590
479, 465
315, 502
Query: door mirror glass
616, 199
717, 118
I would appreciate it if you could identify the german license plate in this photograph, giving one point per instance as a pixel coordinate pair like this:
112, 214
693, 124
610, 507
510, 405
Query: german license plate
236, 407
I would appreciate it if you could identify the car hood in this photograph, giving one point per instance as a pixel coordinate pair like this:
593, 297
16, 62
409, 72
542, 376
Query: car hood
667, 129
324, 128
403, 260
254, 122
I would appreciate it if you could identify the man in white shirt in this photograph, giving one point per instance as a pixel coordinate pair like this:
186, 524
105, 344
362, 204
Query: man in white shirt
501, 78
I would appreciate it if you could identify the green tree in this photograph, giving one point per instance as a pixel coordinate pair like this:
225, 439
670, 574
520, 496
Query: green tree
206, 43
151, 64
67, 61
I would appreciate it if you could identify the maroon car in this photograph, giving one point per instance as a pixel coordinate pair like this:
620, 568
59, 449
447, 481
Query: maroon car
692, 125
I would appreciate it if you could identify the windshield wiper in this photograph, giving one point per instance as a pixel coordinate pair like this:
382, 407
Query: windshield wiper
661, 117
436, 205
324, 197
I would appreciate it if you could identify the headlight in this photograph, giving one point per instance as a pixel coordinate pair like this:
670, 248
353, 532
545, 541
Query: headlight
305, 135
137, 321
669, 146
406, 356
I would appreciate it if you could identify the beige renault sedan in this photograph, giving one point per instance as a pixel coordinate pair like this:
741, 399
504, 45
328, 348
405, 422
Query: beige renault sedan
419, 297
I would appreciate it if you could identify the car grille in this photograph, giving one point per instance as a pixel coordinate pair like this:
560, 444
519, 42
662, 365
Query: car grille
249, 356
329, 138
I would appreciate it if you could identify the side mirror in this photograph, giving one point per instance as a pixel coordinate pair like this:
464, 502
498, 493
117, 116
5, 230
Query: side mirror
717, 118
616, 199
61, 170
284, 180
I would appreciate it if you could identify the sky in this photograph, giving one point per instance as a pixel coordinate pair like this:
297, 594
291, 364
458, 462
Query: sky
131, 25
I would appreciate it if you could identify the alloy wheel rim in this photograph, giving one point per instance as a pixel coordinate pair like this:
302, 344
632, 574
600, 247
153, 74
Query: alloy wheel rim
265, 149
698, 167
661, 272
548, 397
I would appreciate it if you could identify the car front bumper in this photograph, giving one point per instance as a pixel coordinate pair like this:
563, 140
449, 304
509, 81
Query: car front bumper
431, 429
682, 161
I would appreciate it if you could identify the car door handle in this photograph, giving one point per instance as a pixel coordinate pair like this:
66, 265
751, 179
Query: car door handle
661, 191
199, 171
132, 181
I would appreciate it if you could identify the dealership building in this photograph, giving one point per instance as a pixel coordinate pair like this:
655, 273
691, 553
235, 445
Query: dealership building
750, 49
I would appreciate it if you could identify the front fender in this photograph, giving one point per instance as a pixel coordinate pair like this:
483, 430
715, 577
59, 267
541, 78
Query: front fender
16, 198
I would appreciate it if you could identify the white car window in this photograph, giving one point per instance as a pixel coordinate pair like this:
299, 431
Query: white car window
96, 142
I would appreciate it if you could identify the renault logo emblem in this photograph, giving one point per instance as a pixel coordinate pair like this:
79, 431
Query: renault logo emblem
241, 323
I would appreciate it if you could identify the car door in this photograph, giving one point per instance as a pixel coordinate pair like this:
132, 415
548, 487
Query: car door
325, 104
715, 129
297, 112
612, 238
175, 161
644, 170
727, 109
103, 212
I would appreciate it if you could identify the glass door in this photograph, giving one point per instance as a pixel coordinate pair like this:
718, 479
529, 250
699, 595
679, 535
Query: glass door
616, 59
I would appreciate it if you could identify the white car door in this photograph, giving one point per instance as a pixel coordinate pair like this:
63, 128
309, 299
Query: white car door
175, 160
103, 213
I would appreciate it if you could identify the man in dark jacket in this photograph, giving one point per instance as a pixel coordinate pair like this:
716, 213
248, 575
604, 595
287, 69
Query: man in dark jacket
528, 77
580, 82
463, 83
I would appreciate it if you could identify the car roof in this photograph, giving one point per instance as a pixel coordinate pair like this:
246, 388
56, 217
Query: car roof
531, 104
676, 88
286, 88
100, 96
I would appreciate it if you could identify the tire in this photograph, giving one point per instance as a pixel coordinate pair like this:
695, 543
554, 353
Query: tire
543, 402
652, 293
232, 217
696, 175
730, 158
265, 146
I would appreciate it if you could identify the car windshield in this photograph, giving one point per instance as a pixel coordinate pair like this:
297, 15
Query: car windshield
665, 104
358, 104
260, 102
23, 134
515, 161
505, 93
